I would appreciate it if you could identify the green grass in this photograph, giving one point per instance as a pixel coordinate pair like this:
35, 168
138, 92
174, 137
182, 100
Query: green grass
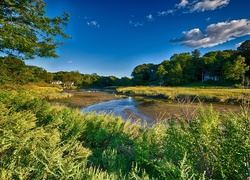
173, 93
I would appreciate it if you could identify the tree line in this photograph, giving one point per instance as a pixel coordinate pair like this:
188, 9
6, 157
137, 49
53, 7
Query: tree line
14, 70
26, 32
228, 67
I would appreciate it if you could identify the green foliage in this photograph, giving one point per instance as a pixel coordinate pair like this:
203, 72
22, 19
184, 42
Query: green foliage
35, 150
14, 70
187, 171
41, 141
142, 74
27, 32
228, 67
236, 146
236, 69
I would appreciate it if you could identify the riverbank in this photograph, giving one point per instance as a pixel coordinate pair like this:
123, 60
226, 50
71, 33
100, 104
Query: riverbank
222, 95
162, 110
80, 99
154, 109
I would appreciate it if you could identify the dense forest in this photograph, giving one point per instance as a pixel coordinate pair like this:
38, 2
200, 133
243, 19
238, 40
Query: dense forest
228, 67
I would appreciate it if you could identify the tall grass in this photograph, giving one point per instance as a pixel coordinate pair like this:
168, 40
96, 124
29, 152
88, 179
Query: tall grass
43, 141
42, 90
173, 93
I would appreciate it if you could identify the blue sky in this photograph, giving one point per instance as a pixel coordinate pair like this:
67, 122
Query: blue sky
112, 37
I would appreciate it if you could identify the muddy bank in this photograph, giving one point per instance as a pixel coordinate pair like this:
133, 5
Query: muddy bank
81, 99
154, 109
160, 110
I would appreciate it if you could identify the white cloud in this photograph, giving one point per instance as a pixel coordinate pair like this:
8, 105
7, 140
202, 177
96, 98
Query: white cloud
194, 6
136, 24
238, 44
206, 5
164, 13
150, 17
182, 4
216, 34
69, 62
93, 24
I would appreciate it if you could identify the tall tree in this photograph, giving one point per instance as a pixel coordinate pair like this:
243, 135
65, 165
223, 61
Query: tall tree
160, 74
74, 76
188, 69
175, 74
143, 74
196, 54
26, 31
244, 50
245, 46
235, 70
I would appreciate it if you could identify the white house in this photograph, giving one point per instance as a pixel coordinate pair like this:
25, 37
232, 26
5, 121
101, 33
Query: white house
69, 83
207, 77
56, 82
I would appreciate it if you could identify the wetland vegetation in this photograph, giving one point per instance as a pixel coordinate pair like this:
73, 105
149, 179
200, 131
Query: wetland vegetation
40, 140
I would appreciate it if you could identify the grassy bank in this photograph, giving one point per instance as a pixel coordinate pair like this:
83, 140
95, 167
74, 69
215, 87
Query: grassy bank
225, 95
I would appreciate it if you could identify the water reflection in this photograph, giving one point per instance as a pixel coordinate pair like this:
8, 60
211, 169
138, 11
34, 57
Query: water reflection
126, 108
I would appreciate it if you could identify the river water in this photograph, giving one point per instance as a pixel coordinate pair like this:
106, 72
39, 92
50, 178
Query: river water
125, 108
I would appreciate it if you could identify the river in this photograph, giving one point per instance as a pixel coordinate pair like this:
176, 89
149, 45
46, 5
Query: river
125, 108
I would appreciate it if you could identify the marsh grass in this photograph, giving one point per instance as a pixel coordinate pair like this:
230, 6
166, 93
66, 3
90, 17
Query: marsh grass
225, 95
42, 90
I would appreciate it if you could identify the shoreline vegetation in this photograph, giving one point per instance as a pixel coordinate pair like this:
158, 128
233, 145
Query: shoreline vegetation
155, 105
221, 95
159, 103
41, 140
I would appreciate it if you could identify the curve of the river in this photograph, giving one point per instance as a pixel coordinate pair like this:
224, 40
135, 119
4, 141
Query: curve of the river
125, 108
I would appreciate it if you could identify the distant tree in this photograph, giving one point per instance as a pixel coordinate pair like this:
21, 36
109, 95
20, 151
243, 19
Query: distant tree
245, 46
143, 74
196, 54
244, 50
13, 70
188, 69
87, 80
106, 81
160, 75
175, 75
214, 61
125, 81
37, 74
74, 76
198, 65
95, 79
166, 64
58, 76
26, 31
236, 69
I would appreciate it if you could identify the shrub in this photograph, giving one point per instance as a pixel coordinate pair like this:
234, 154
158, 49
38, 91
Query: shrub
43, 141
